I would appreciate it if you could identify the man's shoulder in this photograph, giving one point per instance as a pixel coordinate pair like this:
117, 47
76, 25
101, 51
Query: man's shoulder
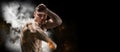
29, 23
25, 26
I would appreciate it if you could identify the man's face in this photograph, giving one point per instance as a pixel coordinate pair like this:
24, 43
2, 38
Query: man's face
40, 17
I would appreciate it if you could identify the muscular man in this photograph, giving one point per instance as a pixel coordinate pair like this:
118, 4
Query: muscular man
34, 32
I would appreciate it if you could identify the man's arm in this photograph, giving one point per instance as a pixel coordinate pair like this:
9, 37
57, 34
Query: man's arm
54, 20
51, 44
22, 35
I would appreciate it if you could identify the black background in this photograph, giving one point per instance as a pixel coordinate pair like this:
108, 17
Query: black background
67, 36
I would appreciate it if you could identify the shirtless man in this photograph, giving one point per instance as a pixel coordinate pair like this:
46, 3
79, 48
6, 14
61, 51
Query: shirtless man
34, 32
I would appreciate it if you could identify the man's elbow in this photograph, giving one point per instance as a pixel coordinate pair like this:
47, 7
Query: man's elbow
59, 22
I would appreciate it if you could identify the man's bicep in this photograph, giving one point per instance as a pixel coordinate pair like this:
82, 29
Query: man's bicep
24, 29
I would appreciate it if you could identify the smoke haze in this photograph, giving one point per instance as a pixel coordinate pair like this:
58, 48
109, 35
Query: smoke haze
17, 14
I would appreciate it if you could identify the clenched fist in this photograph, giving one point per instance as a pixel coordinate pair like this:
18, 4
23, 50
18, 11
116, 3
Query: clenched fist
52, 45
41, 7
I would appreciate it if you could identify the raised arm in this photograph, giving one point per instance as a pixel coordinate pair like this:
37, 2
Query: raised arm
54, 20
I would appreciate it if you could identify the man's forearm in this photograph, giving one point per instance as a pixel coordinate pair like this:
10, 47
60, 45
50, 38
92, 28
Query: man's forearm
54, 17
51, 44
43, 35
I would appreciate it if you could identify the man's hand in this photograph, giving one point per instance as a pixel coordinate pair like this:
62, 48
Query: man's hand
41, 7
52, 45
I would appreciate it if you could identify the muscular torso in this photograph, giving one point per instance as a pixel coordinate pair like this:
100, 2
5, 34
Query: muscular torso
31, 39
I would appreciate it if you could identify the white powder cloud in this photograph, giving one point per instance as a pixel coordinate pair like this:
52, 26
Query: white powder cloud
16, 14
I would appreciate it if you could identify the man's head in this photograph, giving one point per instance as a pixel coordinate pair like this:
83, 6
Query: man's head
40, 14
